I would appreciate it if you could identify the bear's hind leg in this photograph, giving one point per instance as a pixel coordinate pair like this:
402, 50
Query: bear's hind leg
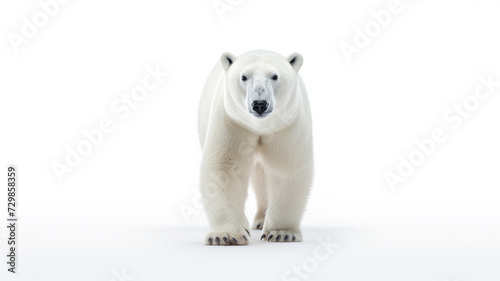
259, 184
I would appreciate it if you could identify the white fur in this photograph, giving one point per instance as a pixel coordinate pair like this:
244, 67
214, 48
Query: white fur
274, 151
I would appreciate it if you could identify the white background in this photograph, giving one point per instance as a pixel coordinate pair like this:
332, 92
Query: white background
124, 205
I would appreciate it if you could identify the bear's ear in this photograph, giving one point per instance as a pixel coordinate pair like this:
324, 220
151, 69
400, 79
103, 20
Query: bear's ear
295, 61
226, 60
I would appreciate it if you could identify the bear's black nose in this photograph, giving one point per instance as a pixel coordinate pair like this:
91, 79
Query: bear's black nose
259, 106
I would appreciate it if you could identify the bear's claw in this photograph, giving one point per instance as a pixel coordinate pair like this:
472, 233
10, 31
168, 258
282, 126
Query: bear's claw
281, 235
258, 224
227, 238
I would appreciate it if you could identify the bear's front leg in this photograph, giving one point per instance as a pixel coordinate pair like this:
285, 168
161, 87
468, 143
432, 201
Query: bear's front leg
224, 184
288, 195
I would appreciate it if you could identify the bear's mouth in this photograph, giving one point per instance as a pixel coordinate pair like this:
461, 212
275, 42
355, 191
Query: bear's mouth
260, 116
263, 115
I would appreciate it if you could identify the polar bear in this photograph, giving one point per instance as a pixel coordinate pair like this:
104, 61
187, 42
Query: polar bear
254, 124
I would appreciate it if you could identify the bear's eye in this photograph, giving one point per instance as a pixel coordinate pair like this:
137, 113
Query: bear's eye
275, 77
244, 78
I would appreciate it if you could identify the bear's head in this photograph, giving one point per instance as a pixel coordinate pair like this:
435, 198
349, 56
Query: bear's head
261, 89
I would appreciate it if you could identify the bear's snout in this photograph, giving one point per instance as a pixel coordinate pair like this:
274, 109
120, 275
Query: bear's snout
260, 106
